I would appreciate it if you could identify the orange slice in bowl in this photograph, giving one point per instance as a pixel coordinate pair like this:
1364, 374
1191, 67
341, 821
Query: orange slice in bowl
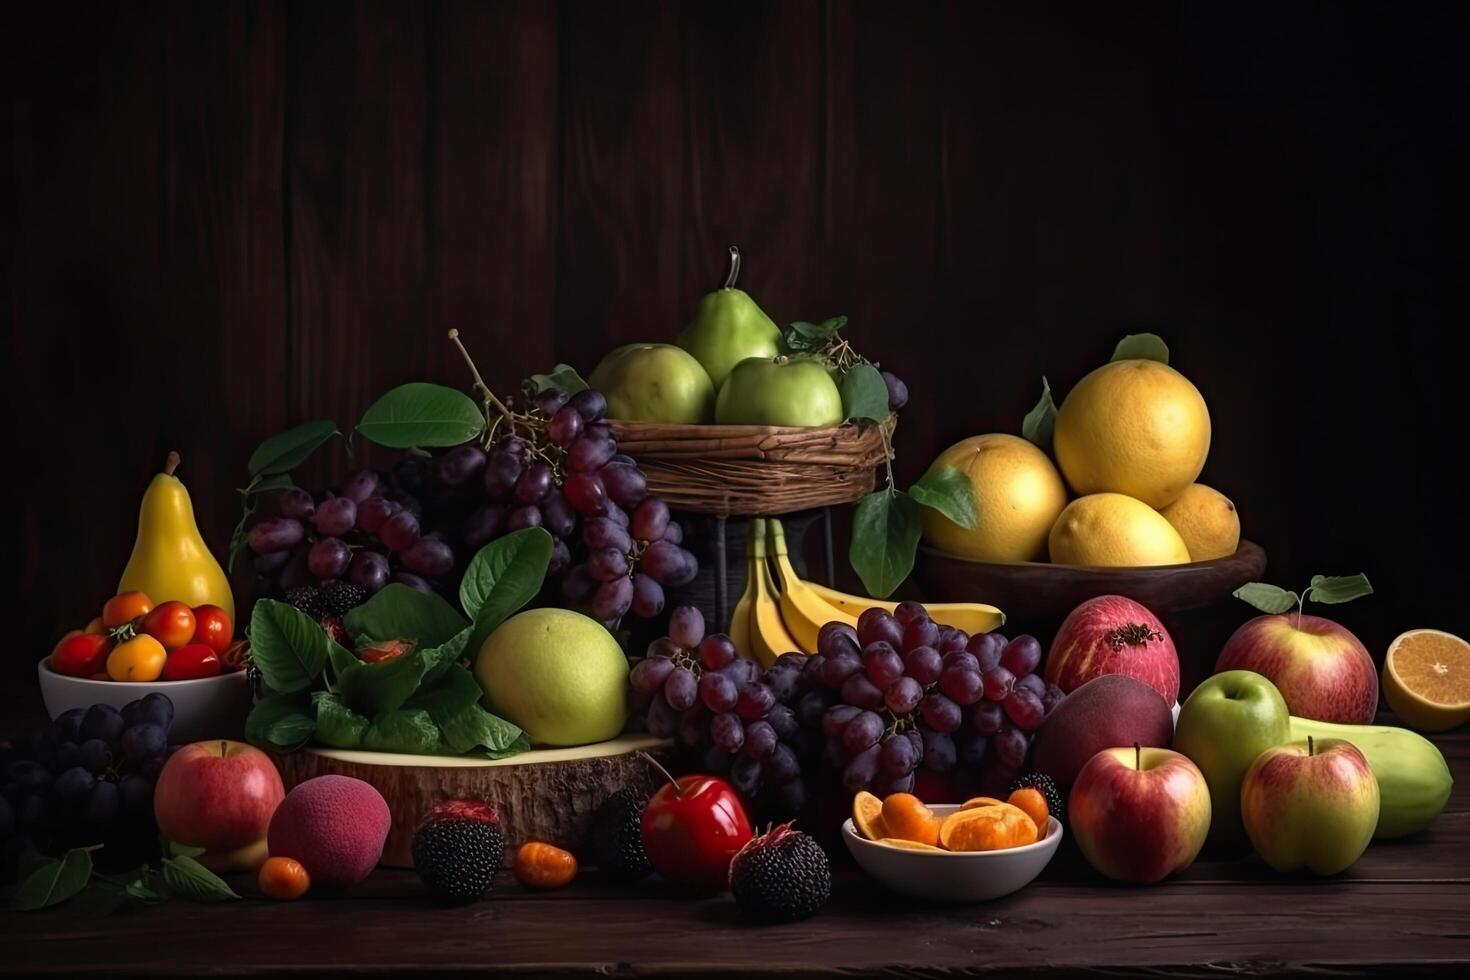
867, 816
1426, 679
987, 828
909, 845
976, 801
906, 816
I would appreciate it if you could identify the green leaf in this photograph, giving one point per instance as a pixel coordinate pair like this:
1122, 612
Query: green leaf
371, 689
474, 729
1142, 347
502, 577
281, 722
340, 658
239, 541
287, 450
55, 881
1334, 589
451, 694
864, 395
1037, 426
398, 612
101, 897
188, 879
408, 730
336, 724
885, 535
440, 658
1267, 598
287, 645
803, 337
422, 414
948, 491
281, 481
563, 376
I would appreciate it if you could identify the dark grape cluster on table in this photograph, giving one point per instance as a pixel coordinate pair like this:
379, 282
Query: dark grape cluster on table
876, 708
86, 778
556, 466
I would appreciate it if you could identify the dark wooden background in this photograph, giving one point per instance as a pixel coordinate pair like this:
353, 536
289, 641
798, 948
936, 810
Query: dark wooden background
226, 218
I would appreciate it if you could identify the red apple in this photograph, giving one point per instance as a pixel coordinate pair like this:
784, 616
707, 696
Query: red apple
692, 828
219, 795
1112, 634
1139, 814
1311, 804
1321, 669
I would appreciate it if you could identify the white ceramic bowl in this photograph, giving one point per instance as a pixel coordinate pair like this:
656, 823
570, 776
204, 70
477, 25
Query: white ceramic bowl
210, 707
953, 876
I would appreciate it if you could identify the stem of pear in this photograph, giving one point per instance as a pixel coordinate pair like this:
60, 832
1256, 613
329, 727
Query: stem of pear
734, 268
678, 792
172, 463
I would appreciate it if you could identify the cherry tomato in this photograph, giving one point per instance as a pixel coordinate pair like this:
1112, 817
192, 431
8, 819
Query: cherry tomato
213, 628
139, 659
80, 654
95, 626
540, 865
191, 662
171, 623
124, 608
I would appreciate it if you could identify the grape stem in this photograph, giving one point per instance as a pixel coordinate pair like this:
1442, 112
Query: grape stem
490, 400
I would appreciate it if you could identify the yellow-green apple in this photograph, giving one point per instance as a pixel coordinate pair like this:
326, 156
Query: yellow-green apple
655, 383
1139, 814
1310, 805
1321, 669
1229, 720
1112, 634
219, 795
779, 391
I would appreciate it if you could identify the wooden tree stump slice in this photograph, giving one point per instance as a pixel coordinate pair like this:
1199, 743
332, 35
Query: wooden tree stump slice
546, 794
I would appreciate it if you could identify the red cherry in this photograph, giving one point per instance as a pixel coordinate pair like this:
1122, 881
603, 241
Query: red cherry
692, 828
191, 662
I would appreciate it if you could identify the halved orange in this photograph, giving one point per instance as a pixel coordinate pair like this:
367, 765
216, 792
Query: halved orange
906, 816
987, 828
1426, 679
909, 845
867, 816
975, 801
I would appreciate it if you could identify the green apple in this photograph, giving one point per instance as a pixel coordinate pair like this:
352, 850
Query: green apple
655, 383
779, 391
1223, 726
557, 674
1310, 805
728, 327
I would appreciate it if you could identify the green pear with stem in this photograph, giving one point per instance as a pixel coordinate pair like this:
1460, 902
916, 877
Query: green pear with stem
729, 327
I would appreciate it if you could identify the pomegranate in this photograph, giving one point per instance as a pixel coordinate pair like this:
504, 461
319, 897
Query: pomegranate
1112, 634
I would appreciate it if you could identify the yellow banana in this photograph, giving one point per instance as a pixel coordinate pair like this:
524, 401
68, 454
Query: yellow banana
972, 617
804, 611
769, 637
739, 627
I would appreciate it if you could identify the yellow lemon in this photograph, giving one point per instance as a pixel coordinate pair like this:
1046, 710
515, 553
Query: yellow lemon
1206, 520
1136, 427
1110, 529
1019, 492
1426, 680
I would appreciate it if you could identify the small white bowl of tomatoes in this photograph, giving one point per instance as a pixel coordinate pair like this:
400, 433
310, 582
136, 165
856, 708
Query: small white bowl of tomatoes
135, 648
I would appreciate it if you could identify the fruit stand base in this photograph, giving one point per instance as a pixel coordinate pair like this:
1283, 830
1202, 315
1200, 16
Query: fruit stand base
547, 794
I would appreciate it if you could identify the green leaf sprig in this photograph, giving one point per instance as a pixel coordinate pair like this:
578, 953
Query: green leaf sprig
49, 882
886, 524
1331, 589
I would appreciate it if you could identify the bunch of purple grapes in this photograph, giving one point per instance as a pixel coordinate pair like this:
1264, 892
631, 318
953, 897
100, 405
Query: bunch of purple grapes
558, 467
903, 691
729, 715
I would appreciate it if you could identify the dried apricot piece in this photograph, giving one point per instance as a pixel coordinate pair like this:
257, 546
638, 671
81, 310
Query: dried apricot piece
909, 845
906, 816
987, 828
977, 801
1030, 801
867, 816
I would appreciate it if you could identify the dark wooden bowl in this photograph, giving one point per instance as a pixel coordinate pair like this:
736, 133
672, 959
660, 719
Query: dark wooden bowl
1040, 591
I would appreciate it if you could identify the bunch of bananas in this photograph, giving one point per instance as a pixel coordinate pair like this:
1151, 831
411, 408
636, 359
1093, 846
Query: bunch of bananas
783, 612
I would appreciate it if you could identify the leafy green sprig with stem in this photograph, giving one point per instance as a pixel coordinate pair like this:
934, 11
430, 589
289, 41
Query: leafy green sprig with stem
1330, 589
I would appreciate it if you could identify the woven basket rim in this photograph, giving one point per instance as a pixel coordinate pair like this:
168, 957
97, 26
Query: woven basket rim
705, 431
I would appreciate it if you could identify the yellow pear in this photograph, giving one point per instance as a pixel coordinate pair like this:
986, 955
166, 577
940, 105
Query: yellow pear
170, 559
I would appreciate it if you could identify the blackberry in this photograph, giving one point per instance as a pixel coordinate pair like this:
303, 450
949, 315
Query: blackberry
1056, 804
339, 598
617, 836
457, 850
307, 598
781, 876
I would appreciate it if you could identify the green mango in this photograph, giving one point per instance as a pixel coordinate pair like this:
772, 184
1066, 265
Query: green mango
1414, 781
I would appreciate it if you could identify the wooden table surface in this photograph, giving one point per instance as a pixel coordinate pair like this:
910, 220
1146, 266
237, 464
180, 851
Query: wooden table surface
1404, 907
